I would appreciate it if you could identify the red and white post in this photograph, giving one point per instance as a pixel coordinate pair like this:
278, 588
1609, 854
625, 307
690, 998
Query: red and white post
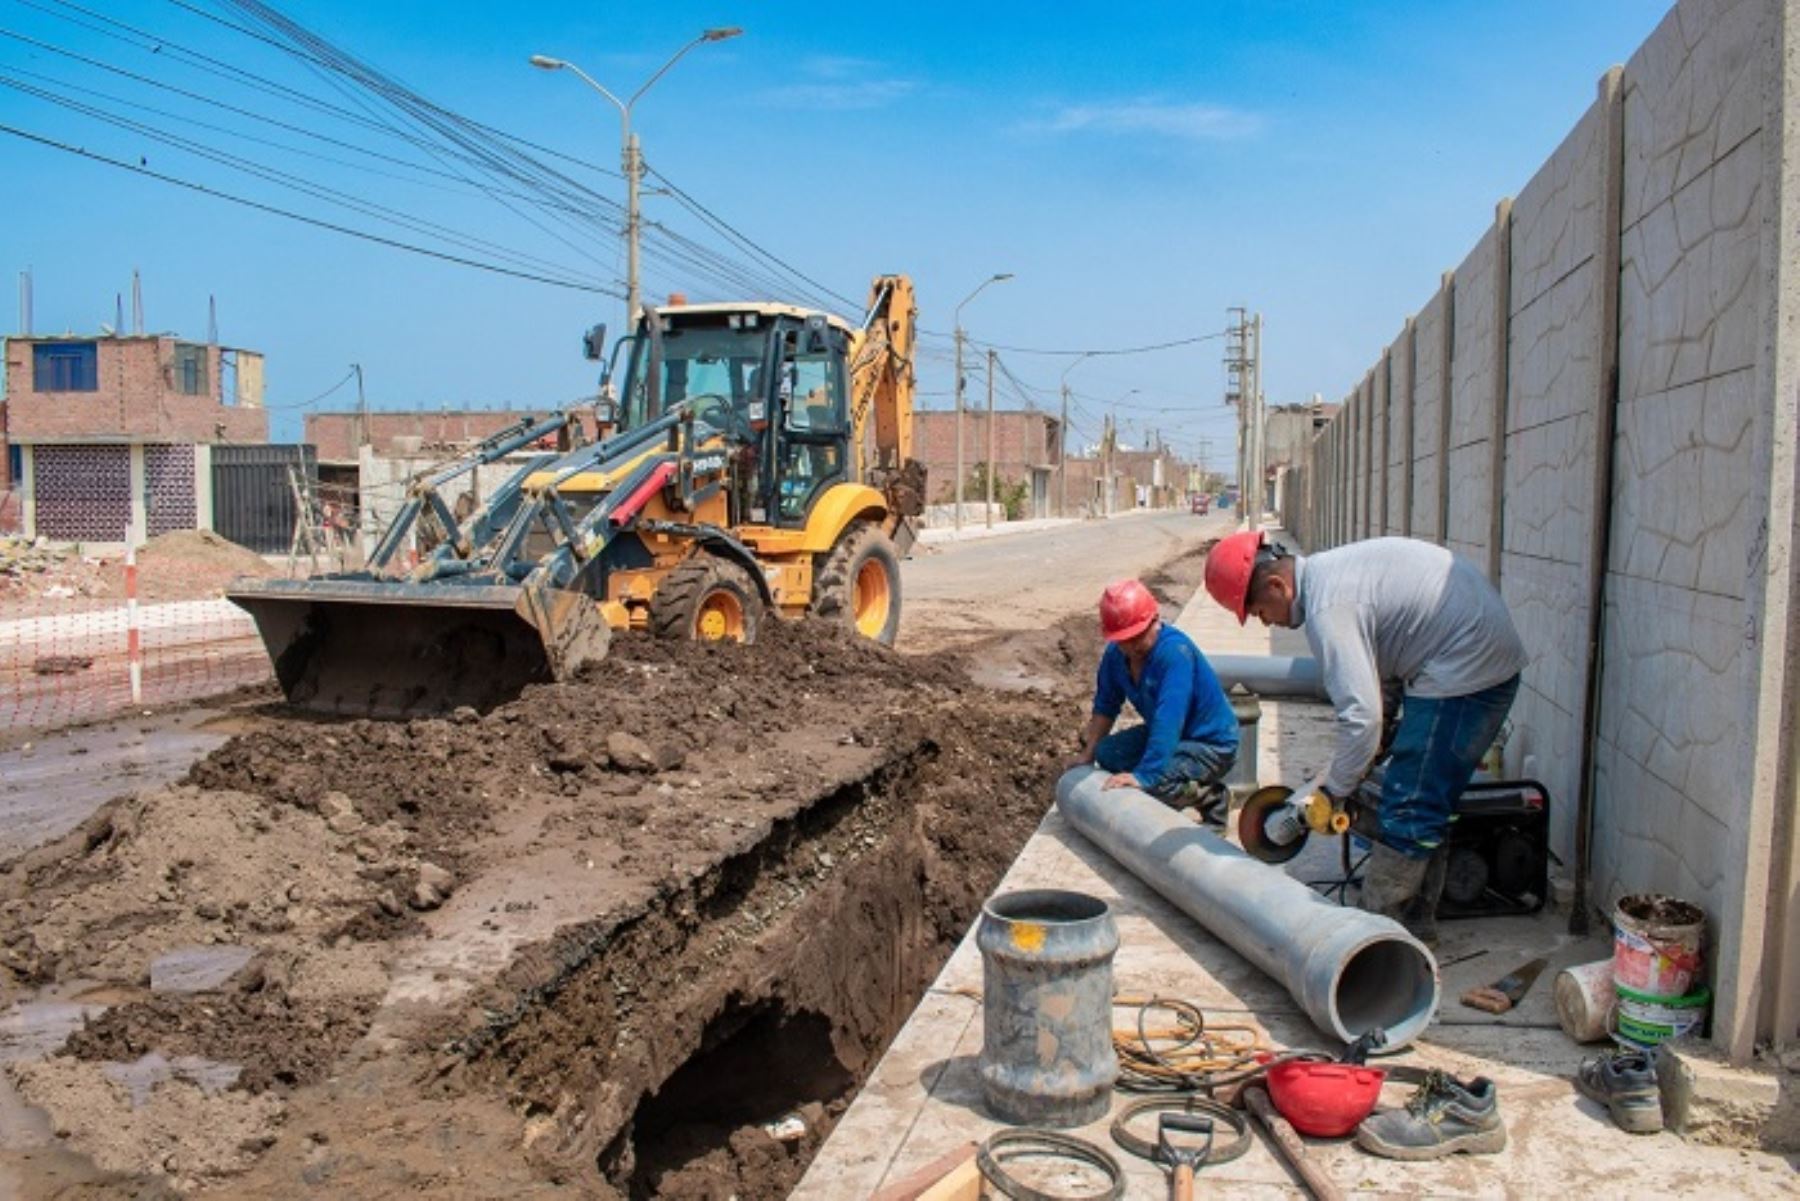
134, 639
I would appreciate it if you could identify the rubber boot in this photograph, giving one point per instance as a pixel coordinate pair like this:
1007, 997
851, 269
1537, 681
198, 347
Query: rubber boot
1391, 881
1420, 916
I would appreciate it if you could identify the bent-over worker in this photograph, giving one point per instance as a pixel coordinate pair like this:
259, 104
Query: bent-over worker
1189, 736
1402, 610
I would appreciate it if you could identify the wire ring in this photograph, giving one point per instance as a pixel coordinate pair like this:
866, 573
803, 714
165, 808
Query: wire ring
1020, 1144
1205, 1106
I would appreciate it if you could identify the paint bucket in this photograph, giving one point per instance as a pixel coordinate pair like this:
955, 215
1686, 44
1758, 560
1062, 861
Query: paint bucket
1585, 1000
1644, 1020
1656, 944
1047, 1055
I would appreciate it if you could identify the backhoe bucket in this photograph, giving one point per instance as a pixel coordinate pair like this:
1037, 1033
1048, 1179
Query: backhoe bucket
381, 648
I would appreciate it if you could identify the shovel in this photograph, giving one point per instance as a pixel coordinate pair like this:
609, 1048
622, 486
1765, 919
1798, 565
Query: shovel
1183, 1161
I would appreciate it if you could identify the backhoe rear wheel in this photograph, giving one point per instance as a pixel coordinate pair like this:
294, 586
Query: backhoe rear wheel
858, 583
708, 599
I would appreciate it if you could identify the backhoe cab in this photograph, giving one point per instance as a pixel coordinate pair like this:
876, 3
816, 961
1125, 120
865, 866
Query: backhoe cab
756, 462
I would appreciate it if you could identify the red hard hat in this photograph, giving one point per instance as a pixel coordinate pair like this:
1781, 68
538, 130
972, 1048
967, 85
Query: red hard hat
1228, 570
1126, 610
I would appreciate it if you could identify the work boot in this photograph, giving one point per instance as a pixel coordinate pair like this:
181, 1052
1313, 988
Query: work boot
1624, 1082
1420, 915
1445, 1116
1390, 881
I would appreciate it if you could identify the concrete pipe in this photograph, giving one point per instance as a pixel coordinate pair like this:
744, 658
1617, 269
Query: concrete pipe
1350, 971
1271, 675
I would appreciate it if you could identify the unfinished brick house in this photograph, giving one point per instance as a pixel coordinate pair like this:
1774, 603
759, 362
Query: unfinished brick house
102, 434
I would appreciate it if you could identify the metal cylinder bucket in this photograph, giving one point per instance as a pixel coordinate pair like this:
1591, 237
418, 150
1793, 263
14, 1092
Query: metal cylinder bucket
1047, 1056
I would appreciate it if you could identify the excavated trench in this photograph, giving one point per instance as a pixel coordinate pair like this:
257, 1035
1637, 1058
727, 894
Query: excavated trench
706, 1046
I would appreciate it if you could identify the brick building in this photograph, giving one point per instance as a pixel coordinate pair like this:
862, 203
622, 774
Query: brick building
391, 433
1024, 453
101, 433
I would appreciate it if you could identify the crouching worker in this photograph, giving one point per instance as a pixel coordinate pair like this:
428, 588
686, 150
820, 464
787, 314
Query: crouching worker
1189, 736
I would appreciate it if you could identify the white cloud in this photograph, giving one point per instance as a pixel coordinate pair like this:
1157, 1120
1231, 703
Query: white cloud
840, 82
1189, 122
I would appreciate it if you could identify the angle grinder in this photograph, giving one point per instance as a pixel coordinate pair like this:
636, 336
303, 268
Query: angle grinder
1275, 821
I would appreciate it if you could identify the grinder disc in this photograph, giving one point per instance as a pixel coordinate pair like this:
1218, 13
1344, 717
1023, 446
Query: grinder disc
1254, 816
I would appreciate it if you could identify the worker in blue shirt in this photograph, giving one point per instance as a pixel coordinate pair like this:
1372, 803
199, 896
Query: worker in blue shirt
1189, 738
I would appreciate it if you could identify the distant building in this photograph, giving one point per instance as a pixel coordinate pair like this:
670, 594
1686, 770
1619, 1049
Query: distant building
406, 433
1024, 453
98, 434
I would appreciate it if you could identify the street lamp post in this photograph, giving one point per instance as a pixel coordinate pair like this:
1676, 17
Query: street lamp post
956, 321
631, 157
1062, 445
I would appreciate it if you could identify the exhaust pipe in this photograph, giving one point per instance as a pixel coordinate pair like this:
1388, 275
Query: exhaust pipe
1351, 971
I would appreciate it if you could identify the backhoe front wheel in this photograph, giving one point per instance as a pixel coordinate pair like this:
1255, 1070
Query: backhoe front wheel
708, 599
858, 583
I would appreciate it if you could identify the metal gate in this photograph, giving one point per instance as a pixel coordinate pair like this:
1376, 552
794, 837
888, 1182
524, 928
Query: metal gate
253, 504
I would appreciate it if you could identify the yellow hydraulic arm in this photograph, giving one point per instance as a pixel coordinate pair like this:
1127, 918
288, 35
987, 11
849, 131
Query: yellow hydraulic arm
881, 381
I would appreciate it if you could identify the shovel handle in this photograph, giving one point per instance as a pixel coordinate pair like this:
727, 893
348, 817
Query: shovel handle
1181, 1184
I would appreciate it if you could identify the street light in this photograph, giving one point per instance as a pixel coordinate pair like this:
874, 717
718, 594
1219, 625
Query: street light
956, 320
1062, 445
631, 157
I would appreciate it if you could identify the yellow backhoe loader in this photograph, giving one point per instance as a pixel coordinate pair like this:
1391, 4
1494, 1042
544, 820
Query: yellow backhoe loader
756, 462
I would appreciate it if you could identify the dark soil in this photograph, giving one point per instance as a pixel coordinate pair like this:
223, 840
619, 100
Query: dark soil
279, 1042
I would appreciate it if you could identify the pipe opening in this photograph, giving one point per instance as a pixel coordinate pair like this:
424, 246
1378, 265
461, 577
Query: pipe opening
1051, 906
1388, 983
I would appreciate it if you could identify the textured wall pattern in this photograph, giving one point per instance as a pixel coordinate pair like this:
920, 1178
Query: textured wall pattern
1428, 418
1676, 693
82, 493
169, 489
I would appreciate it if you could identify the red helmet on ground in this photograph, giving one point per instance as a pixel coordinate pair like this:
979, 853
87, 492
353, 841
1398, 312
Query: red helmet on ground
1126, 610
1228, 569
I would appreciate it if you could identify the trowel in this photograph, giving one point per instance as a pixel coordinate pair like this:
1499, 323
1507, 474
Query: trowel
1505, 992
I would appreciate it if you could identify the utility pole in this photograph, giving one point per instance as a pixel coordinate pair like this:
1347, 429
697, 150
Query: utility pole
1062, 454
1106, 449
1259, 428
956, 518
1239, 390
990, 442
956, 324
362, 408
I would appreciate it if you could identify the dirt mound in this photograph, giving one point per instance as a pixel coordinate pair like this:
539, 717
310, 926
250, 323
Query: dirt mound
651, 708
186, 565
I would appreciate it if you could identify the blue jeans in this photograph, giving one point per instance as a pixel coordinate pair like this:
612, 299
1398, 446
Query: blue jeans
1201, 763
1436, 750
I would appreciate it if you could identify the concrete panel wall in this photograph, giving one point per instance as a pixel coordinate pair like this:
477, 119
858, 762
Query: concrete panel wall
1398, 456
1551, 461
1636, 311
1676, 717
1378, 438
1429, 343
1472, 401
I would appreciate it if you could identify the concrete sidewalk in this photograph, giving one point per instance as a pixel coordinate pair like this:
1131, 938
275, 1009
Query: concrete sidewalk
924, 1097
977, 528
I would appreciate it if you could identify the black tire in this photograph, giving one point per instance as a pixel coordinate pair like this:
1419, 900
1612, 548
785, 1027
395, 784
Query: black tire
706, 584
862, 549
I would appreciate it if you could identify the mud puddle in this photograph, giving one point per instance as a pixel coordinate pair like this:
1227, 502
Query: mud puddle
51, 783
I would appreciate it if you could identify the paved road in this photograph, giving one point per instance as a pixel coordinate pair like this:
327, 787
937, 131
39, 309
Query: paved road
963, 590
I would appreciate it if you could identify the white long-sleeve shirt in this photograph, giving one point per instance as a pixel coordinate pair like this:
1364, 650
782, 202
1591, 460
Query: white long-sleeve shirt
1398, 609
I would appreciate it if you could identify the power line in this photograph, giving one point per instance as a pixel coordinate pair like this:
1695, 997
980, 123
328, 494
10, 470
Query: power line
1097, 353
348, 231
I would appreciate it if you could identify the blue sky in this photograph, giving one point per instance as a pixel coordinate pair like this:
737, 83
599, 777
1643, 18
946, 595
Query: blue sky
1138, 168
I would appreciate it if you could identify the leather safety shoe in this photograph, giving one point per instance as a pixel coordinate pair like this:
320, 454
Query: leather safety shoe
1624, 1082
1445, 1116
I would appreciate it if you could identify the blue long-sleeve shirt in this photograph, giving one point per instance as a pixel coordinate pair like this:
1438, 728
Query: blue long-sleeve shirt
1178, 697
